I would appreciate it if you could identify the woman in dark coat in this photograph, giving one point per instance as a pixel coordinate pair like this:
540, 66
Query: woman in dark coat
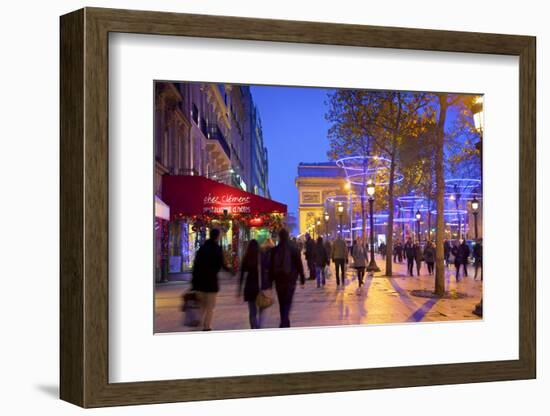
254, 278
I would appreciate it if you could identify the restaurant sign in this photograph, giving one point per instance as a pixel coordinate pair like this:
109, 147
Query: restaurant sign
227, 202
197, 195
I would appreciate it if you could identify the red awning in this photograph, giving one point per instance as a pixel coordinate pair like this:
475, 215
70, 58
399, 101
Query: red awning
196, 195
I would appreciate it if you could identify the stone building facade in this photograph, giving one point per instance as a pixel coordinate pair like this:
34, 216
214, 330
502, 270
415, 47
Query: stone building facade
210, 130
205, 129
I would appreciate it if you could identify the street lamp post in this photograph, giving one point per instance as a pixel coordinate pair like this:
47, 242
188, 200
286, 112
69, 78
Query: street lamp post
318, 227
402, 229
347, 187
340, 209
457, 196
477, 111
418, 216
326, 223
475, 208
372, 267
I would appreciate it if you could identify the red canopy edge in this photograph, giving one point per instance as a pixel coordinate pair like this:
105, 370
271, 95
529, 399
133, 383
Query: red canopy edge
196, 195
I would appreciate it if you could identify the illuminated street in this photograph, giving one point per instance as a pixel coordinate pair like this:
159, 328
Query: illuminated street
242, 170
383, 300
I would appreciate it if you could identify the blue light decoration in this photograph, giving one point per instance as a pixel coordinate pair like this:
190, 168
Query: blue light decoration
360, 169
342, 199
467, 188
450, 212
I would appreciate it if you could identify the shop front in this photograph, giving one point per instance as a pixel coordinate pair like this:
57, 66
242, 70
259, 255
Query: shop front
162, 218
198, 204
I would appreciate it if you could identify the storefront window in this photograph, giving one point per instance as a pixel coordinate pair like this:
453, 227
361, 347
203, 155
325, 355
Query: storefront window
260, 234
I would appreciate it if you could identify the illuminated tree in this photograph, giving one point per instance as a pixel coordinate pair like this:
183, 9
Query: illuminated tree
377, 123
467, 159
349, 134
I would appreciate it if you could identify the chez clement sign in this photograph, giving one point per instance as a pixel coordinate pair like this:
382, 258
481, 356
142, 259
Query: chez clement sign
197, 195
233, 204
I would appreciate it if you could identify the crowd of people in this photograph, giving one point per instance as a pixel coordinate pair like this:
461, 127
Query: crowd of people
261, 268
267, 265
458, 253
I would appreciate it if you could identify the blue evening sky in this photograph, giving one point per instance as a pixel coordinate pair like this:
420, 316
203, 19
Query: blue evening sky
294, 130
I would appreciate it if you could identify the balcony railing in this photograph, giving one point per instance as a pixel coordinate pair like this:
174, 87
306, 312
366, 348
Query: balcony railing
216, 134
213, 132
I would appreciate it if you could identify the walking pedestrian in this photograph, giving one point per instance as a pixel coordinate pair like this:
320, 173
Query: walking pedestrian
418, 256
255, 279
446, 252
429, 256
340, 259
409, 253
321, 261
359, 255
208, 262
398, 252
300, 246
461, 258
382, 250
310, 257
328, 249
284, 269
478, 253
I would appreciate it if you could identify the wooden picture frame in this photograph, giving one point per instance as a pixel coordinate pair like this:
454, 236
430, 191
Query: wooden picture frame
84, 207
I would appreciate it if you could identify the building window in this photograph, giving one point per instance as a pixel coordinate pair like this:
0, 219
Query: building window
195, 113
203, 127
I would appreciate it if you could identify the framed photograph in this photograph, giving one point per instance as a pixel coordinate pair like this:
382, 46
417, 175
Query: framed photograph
255, 207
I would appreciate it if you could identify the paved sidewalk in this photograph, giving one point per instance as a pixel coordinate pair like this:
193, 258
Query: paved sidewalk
382, 300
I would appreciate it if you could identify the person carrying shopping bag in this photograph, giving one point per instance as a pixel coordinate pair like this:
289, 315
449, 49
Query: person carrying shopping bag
254, 277
208, 263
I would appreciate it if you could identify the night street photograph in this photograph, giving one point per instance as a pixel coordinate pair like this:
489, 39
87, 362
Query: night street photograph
286, 206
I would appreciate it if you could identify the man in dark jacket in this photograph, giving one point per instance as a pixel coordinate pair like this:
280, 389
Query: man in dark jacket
310, 257
284, 269
321, 261
382, 250
410, 254
463, 252
446, 252
398, 252
478, 250
208, 262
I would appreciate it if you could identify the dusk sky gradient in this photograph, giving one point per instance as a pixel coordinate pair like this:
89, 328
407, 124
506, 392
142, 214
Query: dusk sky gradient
294, 130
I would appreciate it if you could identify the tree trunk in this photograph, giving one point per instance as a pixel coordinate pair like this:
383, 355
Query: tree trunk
430, 217
389, 229
440, 197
